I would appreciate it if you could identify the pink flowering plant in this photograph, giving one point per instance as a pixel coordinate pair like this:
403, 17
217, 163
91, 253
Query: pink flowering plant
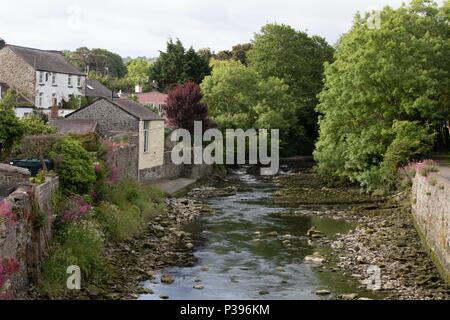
8, 268
6, 212
425, 168
77, 208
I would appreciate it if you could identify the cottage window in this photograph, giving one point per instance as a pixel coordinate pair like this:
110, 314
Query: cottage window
146, 135
41, 99
53, 78
41, 77
69, 81
79, 82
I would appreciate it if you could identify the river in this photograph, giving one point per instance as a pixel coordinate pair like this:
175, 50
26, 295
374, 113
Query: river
249, 249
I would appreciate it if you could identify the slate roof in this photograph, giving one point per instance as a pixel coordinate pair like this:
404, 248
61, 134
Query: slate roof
133, 108
74, 126
98, 90
45, 60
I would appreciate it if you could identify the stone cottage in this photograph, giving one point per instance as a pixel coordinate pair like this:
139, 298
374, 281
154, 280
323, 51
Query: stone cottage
44, 77
142, 128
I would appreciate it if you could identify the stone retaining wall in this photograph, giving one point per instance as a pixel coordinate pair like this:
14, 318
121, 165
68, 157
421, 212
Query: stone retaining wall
15, 240
125, 160
11, 178
21, 243
431, 211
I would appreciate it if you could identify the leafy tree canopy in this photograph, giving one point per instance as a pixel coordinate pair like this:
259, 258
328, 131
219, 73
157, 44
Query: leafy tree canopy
100, 61
386, 95
237, 53
238, 97
176, 66
184, 106
139, 71
280, 51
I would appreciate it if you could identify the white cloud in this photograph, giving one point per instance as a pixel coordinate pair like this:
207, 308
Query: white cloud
138, 27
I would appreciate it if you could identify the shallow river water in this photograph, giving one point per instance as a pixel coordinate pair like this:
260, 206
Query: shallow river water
242, 252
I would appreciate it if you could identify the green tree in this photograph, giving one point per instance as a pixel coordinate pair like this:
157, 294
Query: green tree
386, 94
107, 63
11, 130
196, 66
238, 97
281, 51
238, 53
139, 71
101, 61
176, 66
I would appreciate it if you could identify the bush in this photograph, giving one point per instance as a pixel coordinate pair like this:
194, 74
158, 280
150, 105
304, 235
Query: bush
54, 270
33, 124
132, 204
75, 166
119, 224
85, 240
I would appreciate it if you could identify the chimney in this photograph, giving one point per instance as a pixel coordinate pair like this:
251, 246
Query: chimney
54, 111
138, 89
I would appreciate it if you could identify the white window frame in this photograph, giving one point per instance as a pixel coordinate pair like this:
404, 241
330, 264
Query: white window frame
40, 99
41, 77
69, 81
146, 136
79, 82
54, 79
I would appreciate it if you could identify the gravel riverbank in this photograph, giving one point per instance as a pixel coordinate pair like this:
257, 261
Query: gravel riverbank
383, 240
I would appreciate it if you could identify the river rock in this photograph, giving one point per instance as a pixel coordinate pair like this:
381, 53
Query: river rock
280, 269
199, 287
323, 292
189, 246
205, 269
264, 292
349, 296
313, 233
145, 291
164, 297
167, 279
316, 259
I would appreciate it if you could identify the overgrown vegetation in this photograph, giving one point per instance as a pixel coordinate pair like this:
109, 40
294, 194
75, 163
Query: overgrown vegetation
90, 214
74, 165
386, 96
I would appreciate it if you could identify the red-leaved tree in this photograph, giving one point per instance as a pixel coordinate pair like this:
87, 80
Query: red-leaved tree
184, 106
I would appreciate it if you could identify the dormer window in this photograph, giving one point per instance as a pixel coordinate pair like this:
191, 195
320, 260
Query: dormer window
41, 77
70, 81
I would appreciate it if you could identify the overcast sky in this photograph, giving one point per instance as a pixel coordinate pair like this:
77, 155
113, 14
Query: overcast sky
137, 27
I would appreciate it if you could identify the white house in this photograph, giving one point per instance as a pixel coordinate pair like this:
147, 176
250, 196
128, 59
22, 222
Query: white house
44, 77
